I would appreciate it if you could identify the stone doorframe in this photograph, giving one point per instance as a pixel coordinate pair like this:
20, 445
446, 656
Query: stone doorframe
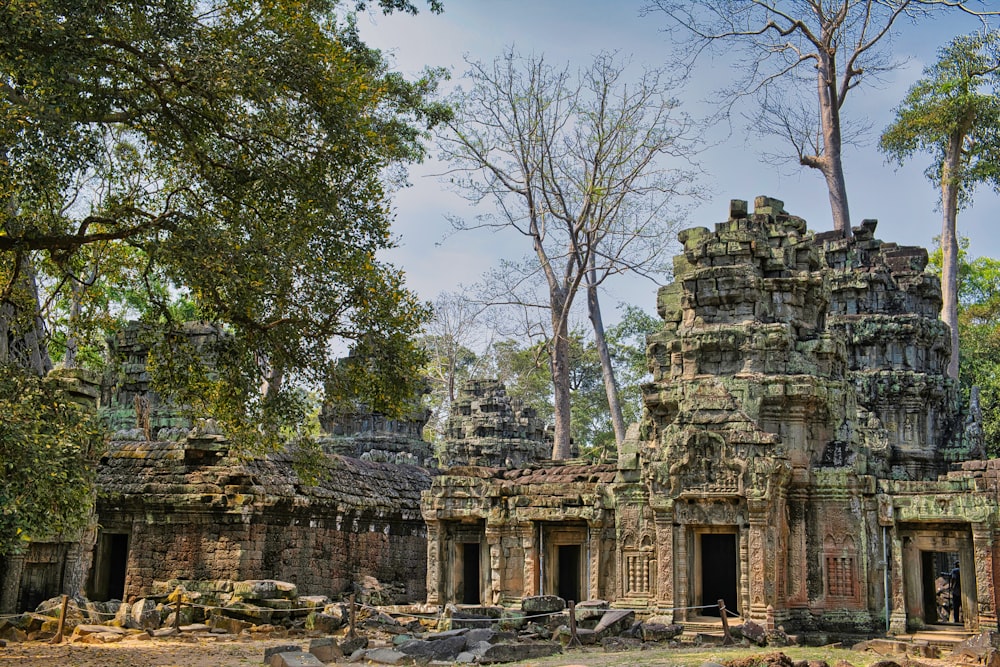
915, 539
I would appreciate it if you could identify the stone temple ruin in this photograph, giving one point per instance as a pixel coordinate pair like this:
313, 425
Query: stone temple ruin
801, 456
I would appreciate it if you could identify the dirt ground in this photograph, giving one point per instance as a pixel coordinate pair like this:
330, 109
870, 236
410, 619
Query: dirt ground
234, 652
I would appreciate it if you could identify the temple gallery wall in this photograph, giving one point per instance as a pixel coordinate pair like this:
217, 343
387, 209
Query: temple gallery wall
801, 456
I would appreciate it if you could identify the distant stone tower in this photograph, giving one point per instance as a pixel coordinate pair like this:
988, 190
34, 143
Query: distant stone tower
489, 428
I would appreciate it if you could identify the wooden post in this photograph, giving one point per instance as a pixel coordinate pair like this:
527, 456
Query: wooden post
177, 613
62, 621
726, 637
574, 640
352, 617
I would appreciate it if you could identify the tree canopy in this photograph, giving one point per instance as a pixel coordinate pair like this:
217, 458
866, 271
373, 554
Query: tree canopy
954, 114
242, 151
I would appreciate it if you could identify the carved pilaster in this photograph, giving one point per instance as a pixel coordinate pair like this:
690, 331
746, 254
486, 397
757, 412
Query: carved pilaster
665, 594
760, 564
434, 562
897, 616
596, 561
681, 567
10, 587
985, 568
494, 542
528, 533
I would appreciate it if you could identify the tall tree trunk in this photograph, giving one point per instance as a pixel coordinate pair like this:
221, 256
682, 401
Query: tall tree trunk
77, 289
950, 178
610, 385
831, 162
559, 366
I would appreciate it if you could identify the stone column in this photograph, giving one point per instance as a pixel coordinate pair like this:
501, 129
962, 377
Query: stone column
759, 562
983, 559
897, 617
494, 592
10, 587
596, 560
682, 594
527, 532
665, 595
433, 562
79, 559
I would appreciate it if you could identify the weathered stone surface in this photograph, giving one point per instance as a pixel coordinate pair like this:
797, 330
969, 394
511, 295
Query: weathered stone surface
351, 645
658, 632
488, 428
324, 623
497, 653
753, 632
274, 650
294, 659
387, 656
616, 644
542, 604
143, 615
615, 621
446, 649
325, 649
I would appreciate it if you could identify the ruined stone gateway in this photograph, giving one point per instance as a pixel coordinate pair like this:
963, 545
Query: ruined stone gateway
801, 454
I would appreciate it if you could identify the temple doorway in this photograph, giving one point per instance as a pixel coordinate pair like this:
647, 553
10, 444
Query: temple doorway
468, 586
107, 577
930, 553
569, 572
466, 557
940, 597
564, 561
717, 571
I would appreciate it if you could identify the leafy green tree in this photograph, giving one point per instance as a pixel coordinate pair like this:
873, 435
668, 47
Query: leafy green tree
47, 449
979, 334
954, 114
243, 149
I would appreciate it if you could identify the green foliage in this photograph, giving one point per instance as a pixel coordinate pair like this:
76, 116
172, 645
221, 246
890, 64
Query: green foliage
955, 101
979, 336
47, 448
233, 155
525, 373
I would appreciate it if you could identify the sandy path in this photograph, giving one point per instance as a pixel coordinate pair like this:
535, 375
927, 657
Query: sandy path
200, 652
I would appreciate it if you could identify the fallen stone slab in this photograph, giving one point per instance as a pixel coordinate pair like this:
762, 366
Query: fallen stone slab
614, 622
542, 604
444, 650
88, 629
294, 659
387, 656
351, 646
519, 652
658, 632
275, 650
325, 649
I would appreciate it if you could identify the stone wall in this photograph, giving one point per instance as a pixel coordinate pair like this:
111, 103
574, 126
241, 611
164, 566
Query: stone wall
191, 511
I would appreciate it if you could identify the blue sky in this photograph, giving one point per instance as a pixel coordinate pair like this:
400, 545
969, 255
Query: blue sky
572, 31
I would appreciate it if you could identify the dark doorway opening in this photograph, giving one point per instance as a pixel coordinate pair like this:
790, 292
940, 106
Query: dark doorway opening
470, 573
117, 563
718, 572
107, 577
939, 596
568, 581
